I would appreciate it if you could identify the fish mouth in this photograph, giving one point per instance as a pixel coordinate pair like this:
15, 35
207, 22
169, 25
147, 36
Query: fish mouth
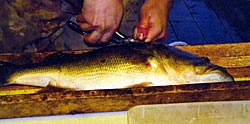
209, 68
212, 73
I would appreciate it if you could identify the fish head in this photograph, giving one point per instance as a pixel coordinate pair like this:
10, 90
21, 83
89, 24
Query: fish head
188, 68
209, 73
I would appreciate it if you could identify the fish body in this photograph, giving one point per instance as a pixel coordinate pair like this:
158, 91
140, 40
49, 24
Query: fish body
118, 66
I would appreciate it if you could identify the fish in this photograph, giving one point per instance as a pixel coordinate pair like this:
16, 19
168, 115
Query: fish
116, 67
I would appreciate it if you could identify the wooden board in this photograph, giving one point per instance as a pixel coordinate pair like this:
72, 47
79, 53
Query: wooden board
219, 9
69, 102
183, 24
209, 21
236, 14
171, 35
20, 101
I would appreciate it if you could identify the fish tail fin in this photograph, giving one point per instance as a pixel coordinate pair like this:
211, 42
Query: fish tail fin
6, 69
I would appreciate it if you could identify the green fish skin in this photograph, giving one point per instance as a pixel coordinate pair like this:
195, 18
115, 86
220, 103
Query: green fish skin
117, 66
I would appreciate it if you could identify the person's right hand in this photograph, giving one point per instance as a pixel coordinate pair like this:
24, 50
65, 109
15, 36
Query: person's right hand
102, 18
153, 21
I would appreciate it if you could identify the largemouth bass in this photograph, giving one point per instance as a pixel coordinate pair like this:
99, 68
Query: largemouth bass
117, 66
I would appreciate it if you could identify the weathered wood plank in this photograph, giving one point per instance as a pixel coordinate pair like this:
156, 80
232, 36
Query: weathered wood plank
221, 14
218, 50
236, 13
69, 102
240, 74
208, 22
183, 24
171, 36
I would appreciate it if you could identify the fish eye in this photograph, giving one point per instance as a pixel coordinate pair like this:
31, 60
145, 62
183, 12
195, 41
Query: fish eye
205, 60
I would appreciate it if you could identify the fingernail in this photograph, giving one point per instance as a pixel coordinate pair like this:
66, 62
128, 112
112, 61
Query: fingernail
147, 40
141, 36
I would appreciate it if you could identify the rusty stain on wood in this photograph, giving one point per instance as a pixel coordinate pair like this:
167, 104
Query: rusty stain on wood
234, 57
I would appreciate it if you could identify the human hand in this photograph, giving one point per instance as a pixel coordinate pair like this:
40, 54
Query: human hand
102, 18
153, 20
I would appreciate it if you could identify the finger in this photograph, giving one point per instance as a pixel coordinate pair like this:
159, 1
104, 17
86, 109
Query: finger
153, 32
86, 27
105, 38
143, 29
161, 37
163, 34
144, 19
94, 37
144, 23
138, 34
79, 18
135, 33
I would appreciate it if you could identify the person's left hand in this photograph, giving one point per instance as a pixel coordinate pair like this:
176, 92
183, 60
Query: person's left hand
153, 21
102, 18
